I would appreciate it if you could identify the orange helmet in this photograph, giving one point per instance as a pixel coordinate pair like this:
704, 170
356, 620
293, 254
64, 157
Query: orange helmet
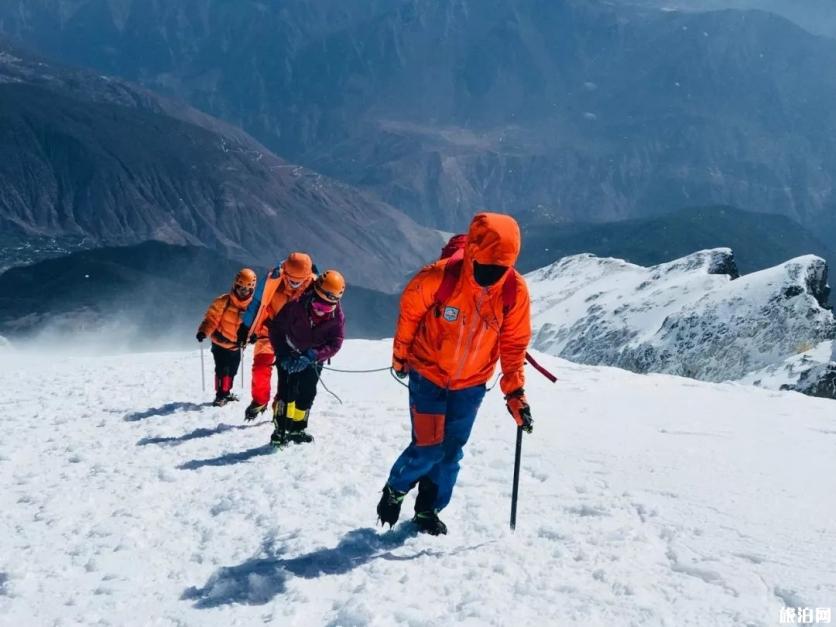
330, 286
244, 282
297, 268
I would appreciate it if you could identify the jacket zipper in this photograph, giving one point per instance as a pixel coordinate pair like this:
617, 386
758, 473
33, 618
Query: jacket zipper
473, 326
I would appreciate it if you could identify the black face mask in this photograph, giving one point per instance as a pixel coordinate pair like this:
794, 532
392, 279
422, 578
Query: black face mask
488, 274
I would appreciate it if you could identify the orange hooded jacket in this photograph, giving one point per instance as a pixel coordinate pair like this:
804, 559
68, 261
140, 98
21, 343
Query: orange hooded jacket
457, 346
277, 293
222, 318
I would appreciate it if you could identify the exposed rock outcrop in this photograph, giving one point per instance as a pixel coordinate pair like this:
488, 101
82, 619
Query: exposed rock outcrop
684, 317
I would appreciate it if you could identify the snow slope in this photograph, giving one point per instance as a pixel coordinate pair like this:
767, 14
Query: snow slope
645, 500
686, 317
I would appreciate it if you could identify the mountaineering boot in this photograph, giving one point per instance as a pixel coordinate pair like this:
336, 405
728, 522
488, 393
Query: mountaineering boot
389, 507
426, 516
278, 438
254, 410
429, 522
427, 493
299, 437
223, 399
220, 400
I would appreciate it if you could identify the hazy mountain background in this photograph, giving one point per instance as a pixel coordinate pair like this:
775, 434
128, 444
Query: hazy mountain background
574, 110
759, 240
98, 161
621, 128
145, 296
154, 294
817, 16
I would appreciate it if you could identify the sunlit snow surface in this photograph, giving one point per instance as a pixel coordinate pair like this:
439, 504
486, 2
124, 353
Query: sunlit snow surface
644, 500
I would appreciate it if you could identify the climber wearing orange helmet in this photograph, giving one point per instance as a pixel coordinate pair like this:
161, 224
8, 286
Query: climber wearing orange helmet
306, 333
283, 284
459, 316
220, 324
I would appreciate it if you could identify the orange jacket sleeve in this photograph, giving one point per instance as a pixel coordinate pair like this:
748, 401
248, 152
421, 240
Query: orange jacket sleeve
213, 315
417, 299
279, 300
514, 337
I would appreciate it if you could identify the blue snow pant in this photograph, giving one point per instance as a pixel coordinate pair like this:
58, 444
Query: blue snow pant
441, 424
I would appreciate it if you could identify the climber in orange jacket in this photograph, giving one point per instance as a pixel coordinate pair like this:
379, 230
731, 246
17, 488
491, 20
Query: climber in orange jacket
220, 324
449, 344
283, 284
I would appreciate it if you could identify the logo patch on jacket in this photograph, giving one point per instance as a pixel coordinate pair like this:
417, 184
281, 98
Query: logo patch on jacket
451, 314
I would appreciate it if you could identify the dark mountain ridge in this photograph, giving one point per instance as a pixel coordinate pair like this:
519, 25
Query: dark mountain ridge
759, 240
87, 156
576, 110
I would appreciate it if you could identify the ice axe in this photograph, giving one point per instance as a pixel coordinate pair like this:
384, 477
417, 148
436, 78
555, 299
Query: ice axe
515, 492
518, 453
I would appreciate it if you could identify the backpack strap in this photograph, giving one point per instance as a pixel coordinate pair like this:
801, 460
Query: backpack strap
509, 292
452, 272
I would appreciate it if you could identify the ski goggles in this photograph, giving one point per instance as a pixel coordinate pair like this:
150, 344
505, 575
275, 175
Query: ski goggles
328, 295
321, 308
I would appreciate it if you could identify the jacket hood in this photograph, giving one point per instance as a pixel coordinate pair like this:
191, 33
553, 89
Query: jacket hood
493, 239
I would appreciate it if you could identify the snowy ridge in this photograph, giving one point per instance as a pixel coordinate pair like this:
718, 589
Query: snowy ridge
689, 317
129, 501
811, 372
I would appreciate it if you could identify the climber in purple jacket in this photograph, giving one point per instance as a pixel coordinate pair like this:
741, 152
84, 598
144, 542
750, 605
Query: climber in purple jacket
304, 334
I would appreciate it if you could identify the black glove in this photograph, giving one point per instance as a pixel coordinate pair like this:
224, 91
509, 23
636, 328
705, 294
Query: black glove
243, 335
200, 336
399, 367
519, 409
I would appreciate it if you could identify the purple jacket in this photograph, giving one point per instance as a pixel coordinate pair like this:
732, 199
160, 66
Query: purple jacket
294, 330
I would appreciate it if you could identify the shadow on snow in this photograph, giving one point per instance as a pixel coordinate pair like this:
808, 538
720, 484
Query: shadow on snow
197, 433
165, 410
260, 579
228, 459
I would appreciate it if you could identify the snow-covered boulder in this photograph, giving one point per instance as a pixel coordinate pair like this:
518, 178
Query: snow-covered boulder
689, 317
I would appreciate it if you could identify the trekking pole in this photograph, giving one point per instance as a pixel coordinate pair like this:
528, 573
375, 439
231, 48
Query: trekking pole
515, 492
242, 368
202, 370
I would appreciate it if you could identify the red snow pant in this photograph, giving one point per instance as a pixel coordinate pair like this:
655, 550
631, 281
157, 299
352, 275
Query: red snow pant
226, 365
263, 360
